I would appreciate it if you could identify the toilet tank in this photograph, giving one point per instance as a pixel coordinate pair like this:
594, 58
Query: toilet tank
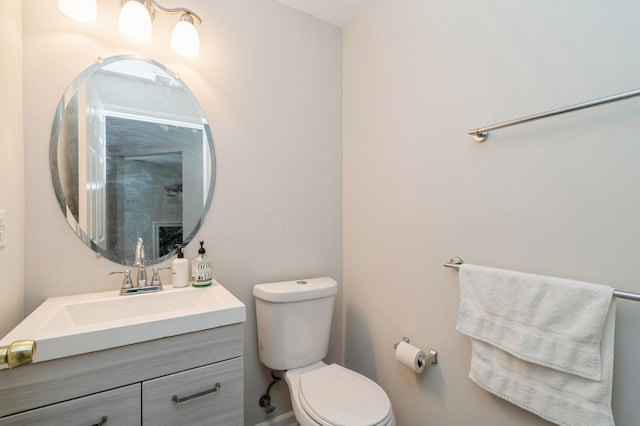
294, 321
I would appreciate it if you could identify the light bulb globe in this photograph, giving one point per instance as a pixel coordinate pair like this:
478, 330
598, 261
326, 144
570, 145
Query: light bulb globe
185, 39
135, 21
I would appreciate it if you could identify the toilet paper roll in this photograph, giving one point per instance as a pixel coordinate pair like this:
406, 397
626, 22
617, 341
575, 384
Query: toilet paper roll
412, 357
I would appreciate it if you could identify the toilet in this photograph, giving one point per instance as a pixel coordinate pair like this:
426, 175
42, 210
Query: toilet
294, 323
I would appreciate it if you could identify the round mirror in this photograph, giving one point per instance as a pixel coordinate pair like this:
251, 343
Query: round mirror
132, 156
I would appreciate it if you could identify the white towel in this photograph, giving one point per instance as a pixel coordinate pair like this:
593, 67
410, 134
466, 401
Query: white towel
542, 343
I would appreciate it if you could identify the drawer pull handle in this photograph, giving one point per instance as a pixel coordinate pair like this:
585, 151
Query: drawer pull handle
178, 400
103, 421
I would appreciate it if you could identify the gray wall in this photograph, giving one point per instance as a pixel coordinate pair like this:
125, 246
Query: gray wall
557, 197
269, 80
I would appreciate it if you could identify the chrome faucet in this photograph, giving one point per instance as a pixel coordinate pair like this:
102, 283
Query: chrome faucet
140, 262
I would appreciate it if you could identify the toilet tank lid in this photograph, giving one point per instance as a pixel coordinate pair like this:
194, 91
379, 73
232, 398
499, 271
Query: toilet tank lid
297, 290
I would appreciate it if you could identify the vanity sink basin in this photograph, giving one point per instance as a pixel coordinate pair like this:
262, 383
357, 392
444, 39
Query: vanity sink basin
72, 325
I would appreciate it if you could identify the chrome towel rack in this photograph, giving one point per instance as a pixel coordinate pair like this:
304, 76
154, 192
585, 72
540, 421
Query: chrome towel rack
481, 133
456, 261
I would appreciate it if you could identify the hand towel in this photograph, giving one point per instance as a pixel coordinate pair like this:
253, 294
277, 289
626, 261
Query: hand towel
542, 343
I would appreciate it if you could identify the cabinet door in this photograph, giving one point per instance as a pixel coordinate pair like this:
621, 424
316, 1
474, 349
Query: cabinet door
115, 407
209, 395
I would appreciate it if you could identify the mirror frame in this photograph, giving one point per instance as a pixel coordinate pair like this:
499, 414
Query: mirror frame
53, 156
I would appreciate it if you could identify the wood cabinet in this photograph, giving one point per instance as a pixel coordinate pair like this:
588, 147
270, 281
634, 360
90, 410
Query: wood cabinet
202, 396
118, 407
191, 379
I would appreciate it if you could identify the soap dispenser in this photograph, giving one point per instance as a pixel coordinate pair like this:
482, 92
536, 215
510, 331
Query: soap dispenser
180, 270
201, 269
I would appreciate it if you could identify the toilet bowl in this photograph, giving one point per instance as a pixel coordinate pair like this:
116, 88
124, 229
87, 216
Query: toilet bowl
294, 323
331, 395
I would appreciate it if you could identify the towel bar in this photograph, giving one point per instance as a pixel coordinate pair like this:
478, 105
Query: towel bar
456, 261
482, 133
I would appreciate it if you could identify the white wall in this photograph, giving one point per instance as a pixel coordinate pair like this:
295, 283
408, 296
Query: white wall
557, 197
269, 80
11, 165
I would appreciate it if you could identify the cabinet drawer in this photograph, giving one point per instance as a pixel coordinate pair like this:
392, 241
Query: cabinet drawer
190, 397
120, 406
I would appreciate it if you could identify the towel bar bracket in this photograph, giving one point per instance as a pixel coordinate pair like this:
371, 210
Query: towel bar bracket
479, 136
454, 262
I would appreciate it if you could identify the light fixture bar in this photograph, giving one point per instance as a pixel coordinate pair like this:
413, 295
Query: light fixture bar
176, 10
135, 21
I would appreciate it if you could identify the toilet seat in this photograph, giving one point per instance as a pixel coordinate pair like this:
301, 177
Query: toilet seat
336, 396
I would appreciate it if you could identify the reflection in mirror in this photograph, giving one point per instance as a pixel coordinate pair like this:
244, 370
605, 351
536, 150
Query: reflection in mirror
132, 156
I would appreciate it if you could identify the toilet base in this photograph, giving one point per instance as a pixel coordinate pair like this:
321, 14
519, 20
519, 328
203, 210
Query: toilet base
292, 377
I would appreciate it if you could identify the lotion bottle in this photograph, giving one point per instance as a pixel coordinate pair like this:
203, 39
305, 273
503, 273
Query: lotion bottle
201, 269
180, 270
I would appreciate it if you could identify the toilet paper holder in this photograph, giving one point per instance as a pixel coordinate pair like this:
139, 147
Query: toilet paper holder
431, 356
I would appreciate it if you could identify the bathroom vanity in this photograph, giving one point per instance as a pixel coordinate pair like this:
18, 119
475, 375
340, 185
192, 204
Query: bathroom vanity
166, 358
133, 384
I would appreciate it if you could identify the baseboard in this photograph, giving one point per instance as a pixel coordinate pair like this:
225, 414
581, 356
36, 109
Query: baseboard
286, 419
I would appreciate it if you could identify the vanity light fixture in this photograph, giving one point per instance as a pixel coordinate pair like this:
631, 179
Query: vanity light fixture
135, 21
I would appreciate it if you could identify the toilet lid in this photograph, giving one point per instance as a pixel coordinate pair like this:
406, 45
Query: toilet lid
337, 396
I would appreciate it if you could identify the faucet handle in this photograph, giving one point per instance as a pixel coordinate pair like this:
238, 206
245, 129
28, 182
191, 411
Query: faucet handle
126, 282
155, 280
